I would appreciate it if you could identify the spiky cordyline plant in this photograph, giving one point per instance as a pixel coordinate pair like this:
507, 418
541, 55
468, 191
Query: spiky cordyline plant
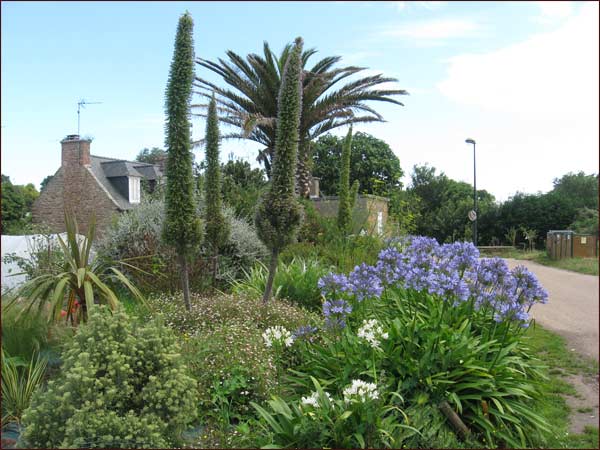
83, 279
249, 103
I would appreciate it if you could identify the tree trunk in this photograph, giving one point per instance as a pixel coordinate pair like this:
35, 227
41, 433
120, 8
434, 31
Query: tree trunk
215, 267
303, 170
272, 270
185, 284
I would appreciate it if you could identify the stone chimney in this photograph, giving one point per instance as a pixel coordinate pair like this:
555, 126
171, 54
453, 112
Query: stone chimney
75, 151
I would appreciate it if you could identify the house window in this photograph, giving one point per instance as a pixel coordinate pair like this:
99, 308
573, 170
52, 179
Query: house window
134, 189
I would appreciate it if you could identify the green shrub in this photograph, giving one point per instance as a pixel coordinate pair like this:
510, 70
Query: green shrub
114, 367
136, 236
295, 281
92, 428
324, 420
224, 347
23, 335
208, 313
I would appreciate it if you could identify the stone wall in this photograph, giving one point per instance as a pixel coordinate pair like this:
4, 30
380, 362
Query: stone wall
364, 215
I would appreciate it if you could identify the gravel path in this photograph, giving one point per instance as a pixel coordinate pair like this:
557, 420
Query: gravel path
572, 312
572, 308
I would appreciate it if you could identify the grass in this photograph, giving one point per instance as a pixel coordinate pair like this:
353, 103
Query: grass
552, 350
588, 266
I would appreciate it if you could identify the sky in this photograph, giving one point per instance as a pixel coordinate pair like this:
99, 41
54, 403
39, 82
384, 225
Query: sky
520, 78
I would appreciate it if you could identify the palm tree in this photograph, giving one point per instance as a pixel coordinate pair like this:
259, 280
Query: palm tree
249, 103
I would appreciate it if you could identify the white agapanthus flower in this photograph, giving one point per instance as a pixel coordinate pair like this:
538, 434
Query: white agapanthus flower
313, 399
361, 390
372, 332
277, 335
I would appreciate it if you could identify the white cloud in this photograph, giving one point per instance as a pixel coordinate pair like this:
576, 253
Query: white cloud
552, 11
435, 29
552, 75
430, 6
532, 106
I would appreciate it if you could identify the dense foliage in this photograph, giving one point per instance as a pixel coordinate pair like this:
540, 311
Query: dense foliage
152, 155
344, 217
182, 226
426, 324
17, 201
437, 206
372, 163
259, 78
278, 214
82, 281
241, 187
122, 384
136, 236
224, 348
295, 281
216, 226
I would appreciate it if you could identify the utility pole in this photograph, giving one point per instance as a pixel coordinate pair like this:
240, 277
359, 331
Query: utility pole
473, 216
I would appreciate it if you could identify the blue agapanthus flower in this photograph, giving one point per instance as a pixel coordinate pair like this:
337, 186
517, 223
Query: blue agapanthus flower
365, 282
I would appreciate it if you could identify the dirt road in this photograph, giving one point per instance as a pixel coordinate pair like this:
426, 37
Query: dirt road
572, 308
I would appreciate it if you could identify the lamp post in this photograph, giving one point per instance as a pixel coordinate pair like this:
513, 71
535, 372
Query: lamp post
474, 219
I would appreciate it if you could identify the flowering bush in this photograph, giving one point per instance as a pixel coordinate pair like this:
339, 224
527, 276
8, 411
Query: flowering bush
224, 347
323, 420
114, 372
446, 326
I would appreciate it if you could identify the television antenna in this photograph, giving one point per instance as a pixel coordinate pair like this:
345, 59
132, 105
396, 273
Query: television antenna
81, 104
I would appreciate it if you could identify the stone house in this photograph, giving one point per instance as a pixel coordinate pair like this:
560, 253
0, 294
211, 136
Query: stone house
370, 213
91, 185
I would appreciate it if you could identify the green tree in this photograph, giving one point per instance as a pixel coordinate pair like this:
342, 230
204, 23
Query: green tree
344, 218
586, 221
17, 201
444, 204
151, 156
182, 228
217, 228
251, 103
279, 214
45, 182
579, 189
241, 187
372, 163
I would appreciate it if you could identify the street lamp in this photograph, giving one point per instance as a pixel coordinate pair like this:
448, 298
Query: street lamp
473, 216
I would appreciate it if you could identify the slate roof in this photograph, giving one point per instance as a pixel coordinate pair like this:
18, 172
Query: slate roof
107, 170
